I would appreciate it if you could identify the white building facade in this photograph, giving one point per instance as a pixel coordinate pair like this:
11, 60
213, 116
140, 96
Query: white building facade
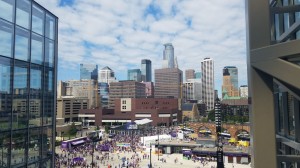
208, 83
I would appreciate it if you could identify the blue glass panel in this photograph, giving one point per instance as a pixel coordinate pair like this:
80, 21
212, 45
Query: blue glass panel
37, 42
50, 26
38, 20
23, 13
6, 38
49, 54
5, 93
22, 44
7, 9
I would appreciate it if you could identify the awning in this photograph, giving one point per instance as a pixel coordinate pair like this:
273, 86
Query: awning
77, 142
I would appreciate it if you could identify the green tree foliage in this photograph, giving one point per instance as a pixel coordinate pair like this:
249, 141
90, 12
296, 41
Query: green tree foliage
211, 115
72, 130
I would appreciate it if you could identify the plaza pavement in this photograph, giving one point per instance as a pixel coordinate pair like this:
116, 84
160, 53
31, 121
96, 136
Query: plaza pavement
182, 163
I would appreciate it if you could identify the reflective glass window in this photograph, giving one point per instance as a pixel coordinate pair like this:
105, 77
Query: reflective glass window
35, 101
4, 148
47, 142
291, 116
18, 143
50, 26
20, 77
34, 145
23, 13
5, 94
7, 9
49, 54
5, 75
36, 79
48, 97
37, 20
20, 97
6, 38
37, 42
22, 44
281, 112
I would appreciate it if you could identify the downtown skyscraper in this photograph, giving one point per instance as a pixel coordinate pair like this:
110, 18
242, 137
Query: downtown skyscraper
230, 85
168, 56
106, 75
134, 74
28, 73
146, 70
88, 71
208, 83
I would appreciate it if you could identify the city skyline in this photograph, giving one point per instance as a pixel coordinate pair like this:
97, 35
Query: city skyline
121, 34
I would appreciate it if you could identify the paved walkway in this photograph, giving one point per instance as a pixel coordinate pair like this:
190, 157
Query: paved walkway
170, 161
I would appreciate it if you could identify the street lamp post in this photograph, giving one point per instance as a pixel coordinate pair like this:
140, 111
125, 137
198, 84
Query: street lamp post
150, 155
158, 144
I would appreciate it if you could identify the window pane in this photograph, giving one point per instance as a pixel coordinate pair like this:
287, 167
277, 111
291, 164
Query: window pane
37, 20
5, 76
22, 44
23, 13
4, 148
7, 8
49, 55
37, 49
6, 38
34, 145
47, 142
20, 78
48, 97
286, 21
18, 147
281, 112
5, 94
50, 27
19, 116
291, 116
35, 106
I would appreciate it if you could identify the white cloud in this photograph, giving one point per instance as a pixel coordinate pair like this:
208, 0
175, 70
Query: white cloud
120, 33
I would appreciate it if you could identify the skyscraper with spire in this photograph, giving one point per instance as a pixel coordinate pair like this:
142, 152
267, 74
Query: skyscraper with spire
168, 56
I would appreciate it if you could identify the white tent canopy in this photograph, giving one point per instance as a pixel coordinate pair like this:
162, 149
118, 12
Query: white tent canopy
143, 121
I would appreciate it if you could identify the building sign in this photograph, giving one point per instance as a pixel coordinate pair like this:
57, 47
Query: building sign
131, 126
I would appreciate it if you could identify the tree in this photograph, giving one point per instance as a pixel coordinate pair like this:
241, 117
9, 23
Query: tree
72, 130
211, 115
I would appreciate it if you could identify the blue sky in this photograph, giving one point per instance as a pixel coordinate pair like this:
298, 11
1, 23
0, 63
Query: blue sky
120, 33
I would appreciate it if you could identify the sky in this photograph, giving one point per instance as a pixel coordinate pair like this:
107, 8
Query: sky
120, 33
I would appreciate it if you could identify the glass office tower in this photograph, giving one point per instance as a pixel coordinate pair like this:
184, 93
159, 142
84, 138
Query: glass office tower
28, 59
134, 74
146, 70
88, 71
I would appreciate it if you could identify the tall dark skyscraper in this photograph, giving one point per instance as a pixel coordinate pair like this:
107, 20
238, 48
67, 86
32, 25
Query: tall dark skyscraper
88, 71
146, 69
28, 71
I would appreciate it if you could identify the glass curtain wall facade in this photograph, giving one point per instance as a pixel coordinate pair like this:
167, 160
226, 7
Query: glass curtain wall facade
274, 85
146, 70
168, 56
134, 74
88, 71
28, 58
